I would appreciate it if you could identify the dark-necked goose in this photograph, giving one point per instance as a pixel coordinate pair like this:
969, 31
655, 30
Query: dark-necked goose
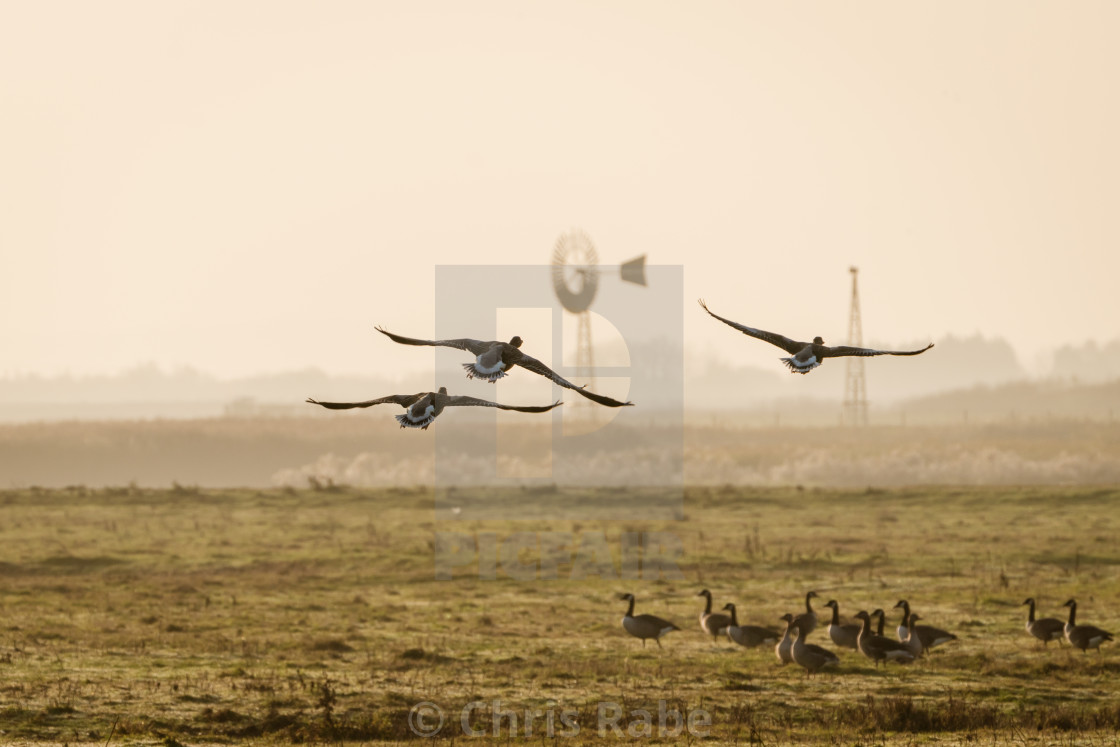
845, 636
1083, 637
644, 626
1045, 629
929, 635
714, 624
913, 641
493, 359
809, 655
808, 355
878, 611
784, 648
807, 620
421, 409
748, 635
877, 648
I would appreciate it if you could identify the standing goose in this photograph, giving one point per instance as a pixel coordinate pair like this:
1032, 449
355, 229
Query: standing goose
494, 358
784, 649
913, 640
809, 655
644, 626
807, 620
808, 355
930, 636
877, 648
1083, 637
748, 635
844, 636
1045, 629
878, 612
423, 408
714, 624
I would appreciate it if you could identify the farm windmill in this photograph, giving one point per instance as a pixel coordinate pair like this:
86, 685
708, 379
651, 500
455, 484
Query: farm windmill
575, 279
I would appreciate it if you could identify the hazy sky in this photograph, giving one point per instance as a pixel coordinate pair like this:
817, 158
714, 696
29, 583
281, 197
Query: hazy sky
244, 187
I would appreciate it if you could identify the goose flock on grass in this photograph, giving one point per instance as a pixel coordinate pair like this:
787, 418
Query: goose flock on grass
494, 360
791, 643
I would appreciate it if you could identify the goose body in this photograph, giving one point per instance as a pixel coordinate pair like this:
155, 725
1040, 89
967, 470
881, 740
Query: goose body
493, 359
1083, 637
749, 635
714, 624
844, 636
913, 641
805, 356
1045, 629
809, 655
784, 648
930, 636
420, 410
807, 620
645, 626
878, 648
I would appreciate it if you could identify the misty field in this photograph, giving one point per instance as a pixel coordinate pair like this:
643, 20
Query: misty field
297, 616
370, 451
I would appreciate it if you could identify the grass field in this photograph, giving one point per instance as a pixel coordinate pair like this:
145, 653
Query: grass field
223, 616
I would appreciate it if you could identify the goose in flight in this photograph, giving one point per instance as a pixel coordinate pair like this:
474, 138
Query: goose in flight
421, 409
808, 355
493, 359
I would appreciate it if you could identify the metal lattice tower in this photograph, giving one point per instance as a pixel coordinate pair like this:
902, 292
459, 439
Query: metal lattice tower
585, 361
855, 383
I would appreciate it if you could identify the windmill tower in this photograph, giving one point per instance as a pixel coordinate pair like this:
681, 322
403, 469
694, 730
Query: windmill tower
855, 384
575, 278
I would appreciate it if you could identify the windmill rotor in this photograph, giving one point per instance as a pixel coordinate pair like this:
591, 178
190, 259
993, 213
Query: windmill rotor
575, 271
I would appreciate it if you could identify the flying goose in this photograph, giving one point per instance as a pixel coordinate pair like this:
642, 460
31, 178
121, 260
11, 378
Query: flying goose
807, 620
808, 355
930, 636
421, 409
1045, 629
845, 636
1083, 637
748, 635
644, 626
493, 359
809, 655
784, 649
714, 624
877, 648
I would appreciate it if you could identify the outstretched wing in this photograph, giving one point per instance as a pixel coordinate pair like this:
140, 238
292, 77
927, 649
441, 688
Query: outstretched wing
786, 344
842, 350
463, 401
404, 400
478, 347
534, 365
